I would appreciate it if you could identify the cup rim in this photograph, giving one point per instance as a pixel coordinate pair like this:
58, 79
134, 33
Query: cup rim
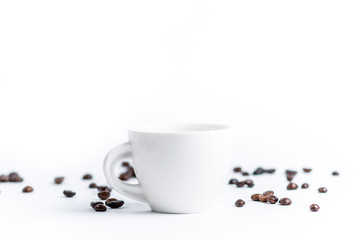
180, 128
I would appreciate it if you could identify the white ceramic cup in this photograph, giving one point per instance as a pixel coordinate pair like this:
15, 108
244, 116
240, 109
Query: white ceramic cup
180, 167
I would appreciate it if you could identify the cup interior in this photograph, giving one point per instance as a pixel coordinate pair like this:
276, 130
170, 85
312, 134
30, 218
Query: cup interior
179, 128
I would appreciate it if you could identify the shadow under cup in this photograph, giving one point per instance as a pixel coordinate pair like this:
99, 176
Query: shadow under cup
180, 167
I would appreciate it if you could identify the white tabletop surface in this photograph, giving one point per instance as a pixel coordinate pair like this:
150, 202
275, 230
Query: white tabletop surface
46, 213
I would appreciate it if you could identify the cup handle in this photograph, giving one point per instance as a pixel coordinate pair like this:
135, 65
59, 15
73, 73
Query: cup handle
112, 160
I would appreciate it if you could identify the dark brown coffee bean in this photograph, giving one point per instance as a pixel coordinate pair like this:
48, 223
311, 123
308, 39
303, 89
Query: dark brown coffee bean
100, 208
13, 174
4, 178
125, 164
92, 185
239, 203
104, 188
272, 170
314, 207
93, 204
256, 197
115, 204
87, 177
240, 184
233, 181
305, 185
69, 193
110, 200
250, 185
272, 199
27, 189
322, 190
291, 172
335, 173
125, 176
248, 181
263, 198
259, 171
59, 180
103, 195
14, 177
269, 192
292, 186
245, 174
289, 177
307, 170
285, 201
237, 169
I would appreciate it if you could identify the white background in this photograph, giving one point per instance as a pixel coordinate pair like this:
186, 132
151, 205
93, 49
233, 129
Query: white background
75, 74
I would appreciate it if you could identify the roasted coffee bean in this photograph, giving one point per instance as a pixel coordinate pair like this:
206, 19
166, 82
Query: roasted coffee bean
69, 193
289, 177
322, 190
250, 184
314, 207
245, 174
263, 198
239, 203
92, 185
110, 200
335, 173
272, 170
248, 181
240, 184
237, 169
256, 197
87, 177
104, 188
304, 185
291, 172
59, 180
14, 177
285, 201
292, 186
307, 170
4, 178
100, 208
125, 164
259, 171
272, 199
115, 204
13, 174
27, 189
103, 195
132, 172
233, 181
125, 176
93, 204
269, 192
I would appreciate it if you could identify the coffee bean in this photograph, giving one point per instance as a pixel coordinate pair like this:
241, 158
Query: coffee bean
115, 204
100, 208
240, 184
250, 184
289, 177
307, 170
4, 178
292, 186
272, 199
270, 170
314, 207
248, 181
239, 203
335, 173
258, 171
305, 185
285, 201
237, 169
93, 204
92, 185
263, 198
103, 195
27, 189
233, 181
291, 172
59, 180
269, 192
104, 188
125, 164
110, 200
125, 176
245, 174
322, 190
256, 197
87, 177
14, 177
69, 193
